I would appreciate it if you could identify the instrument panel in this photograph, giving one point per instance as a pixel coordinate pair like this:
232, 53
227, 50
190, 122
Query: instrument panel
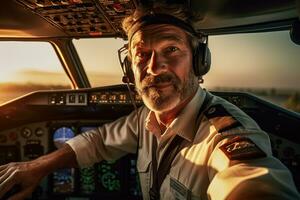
41, 122
113, 180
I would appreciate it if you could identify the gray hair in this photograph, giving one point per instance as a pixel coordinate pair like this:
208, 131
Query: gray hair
176, 10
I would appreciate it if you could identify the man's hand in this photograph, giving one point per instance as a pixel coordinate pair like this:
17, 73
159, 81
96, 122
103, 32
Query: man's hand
25, 175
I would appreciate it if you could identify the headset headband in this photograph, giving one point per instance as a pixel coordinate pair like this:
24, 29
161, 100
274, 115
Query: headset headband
153, 18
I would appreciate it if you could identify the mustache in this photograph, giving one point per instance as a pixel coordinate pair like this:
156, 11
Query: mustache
150, 80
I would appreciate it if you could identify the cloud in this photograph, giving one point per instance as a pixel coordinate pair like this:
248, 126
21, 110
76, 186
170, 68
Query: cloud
48, 77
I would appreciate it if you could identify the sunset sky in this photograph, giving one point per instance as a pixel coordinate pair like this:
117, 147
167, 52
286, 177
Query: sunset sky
256, 60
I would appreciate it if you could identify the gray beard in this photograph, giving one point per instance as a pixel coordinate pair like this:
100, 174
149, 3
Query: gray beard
157, 99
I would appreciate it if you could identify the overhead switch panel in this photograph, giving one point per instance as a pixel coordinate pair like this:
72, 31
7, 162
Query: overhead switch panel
83, 17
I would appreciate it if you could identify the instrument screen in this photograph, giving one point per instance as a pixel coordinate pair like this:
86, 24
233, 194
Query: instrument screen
61, 135
63, 179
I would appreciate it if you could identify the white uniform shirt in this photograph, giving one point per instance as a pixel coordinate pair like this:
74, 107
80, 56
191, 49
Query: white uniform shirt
201, 170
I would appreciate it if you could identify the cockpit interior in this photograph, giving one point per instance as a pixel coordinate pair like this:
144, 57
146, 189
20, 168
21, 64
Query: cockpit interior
41, 120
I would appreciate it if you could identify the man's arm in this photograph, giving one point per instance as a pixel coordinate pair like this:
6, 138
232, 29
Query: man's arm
27, 175
246, 170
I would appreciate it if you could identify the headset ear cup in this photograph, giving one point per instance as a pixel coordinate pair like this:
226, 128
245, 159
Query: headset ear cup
128, 70
201, 60
206, 61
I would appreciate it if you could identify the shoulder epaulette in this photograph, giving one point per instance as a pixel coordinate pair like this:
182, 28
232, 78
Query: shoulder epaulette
221, 118
241, 148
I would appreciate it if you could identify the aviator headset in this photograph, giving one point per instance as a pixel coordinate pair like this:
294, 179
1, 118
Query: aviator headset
201, 54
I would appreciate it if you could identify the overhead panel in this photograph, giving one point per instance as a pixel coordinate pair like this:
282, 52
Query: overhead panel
116, 11
83, 18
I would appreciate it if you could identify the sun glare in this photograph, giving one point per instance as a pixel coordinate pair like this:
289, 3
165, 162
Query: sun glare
30, 62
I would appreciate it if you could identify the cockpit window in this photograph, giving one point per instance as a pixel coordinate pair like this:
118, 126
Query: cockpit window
28, 67
263, 64
99, 57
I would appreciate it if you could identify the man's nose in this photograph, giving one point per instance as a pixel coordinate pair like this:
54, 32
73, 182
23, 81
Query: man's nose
157, 64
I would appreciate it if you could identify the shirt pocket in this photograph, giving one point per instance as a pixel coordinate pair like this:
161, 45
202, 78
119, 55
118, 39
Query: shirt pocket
144, 170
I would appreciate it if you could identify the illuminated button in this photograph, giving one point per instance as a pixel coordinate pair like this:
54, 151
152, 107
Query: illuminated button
52, 100
55, 2
103, 98
94, 98
65, 2
122, 97
118, 7
72, 98
40, 3
113, 97
81, 98
61, 100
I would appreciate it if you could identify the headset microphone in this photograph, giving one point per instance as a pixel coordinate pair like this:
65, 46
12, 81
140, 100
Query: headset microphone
128, 78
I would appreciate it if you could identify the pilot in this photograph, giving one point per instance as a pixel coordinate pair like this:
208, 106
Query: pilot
190, 143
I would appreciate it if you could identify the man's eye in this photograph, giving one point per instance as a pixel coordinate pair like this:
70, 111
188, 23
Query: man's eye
172, 49
141, 56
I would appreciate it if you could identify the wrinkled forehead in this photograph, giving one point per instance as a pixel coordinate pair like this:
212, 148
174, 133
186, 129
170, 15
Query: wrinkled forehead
158, 33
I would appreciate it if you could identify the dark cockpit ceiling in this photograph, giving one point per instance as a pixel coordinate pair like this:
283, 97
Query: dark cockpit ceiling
102, 18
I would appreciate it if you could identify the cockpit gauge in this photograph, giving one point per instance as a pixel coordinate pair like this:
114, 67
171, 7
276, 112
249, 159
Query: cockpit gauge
63, 179
39, 132
26, 132
61, 135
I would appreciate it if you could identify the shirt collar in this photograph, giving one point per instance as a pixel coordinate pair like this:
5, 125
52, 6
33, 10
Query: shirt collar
184, 124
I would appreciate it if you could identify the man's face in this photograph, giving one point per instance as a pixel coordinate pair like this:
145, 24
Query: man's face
162, 66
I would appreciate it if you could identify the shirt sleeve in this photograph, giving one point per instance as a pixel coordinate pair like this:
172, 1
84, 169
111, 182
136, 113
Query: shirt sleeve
109, 141
248, 170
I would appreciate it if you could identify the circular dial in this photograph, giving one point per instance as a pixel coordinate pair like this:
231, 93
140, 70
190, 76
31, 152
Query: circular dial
26, 132
39, 132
